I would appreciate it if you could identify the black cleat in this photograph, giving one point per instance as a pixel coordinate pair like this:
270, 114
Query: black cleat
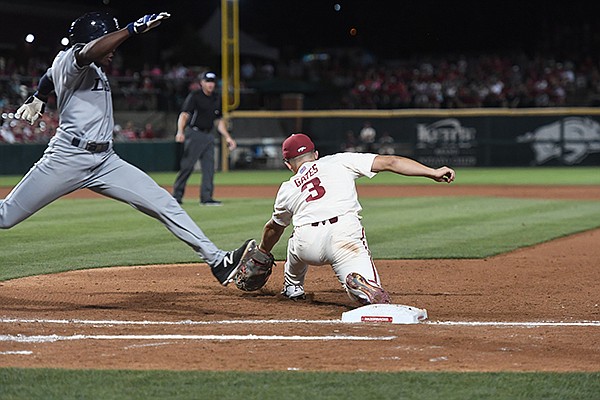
229, 266
211, 202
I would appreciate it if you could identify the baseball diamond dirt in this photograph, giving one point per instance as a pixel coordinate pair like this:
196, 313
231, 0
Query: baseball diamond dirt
534, 309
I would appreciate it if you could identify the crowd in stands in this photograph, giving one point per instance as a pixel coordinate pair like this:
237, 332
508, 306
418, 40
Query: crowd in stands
351, 80
482, 81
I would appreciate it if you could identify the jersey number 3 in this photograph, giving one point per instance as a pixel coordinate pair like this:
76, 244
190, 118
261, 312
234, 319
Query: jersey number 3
315, 189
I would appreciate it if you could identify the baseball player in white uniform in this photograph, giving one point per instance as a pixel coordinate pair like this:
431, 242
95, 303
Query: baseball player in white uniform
81, 154
321, 202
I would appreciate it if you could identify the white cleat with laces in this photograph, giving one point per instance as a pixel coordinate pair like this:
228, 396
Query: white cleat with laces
294, 292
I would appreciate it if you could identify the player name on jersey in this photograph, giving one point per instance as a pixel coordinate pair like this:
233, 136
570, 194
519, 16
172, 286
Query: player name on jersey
306, 176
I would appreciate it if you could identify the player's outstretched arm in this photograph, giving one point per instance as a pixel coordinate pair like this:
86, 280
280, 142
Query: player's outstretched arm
271, 235
97, 49
406, 166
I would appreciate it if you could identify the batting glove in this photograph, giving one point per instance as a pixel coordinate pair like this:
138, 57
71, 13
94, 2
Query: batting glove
31, 110
146, 23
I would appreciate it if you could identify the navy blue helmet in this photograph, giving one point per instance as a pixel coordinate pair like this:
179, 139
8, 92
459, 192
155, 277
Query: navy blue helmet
91, 26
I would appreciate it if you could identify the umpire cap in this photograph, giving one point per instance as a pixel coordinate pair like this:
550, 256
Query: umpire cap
91, 26
209, 76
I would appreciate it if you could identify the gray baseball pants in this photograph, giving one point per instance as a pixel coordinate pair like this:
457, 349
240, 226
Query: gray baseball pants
198, 145
65, 168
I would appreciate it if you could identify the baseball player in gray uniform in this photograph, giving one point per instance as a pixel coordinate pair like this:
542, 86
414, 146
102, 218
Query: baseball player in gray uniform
321, 201
81, 154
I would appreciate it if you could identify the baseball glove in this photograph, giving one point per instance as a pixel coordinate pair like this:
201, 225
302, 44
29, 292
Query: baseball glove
255, 272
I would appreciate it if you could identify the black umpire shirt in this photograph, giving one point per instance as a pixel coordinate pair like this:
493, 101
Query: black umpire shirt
203, 109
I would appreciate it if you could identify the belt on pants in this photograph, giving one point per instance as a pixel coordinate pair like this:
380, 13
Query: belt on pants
331, 221
195, 128
92, 147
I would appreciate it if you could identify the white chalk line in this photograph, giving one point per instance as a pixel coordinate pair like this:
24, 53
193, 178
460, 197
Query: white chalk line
516, 324
17, 352
55, 338
144, 323
287, 321
58, 338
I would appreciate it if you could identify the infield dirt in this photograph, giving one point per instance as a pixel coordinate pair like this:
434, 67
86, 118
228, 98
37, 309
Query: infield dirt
558, 281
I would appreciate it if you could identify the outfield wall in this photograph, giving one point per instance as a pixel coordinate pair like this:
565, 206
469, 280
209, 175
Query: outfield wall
460, 138
151, 155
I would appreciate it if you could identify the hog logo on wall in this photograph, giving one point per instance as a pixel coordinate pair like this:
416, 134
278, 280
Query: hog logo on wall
446, 142
581, 138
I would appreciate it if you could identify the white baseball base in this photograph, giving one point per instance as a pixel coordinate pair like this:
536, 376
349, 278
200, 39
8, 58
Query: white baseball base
388, 313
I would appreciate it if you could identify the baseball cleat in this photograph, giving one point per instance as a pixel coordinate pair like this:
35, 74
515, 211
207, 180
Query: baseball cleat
359, 289
229, 266
211, 202
294, 292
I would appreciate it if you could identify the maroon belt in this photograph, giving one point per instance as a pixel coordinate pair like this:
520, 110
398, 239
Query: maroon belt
331, 221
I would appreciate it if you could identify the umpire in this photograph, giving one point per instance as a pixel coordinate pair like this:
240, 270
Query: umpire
195, 125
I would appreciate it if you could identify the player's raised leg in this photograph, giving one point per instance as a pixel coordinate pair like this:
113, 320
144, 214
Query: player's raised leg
125, 182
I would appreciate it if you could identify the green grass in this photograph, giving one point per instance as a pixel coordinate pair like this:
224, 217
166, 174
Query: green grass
106, 385
465, 176
86, 233
77, 234
469, 227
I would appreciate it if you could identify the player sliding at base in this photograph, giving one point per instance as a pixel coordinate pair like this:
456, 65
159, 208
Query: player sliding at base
81, 154
321, 202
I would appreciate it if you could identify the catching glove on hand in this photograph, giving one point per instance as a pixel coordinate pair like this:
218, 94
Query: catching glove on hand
255, 272
31, 110
146, 23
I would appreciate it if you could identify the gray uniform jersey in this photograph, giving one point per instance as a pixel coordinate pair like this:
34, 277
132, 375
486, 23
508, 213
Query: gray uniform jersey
83, 97
85, 106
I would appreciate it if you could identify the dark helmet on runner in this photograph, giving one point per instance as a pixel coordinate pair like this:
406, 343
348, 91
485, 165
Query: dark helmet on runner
91, 26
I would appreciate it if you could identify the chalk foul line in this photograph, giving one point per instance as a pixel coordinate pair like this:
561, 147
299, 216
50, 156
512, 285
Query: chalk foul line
515, 324
286, 321
98, 323
149, 323
59, 338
